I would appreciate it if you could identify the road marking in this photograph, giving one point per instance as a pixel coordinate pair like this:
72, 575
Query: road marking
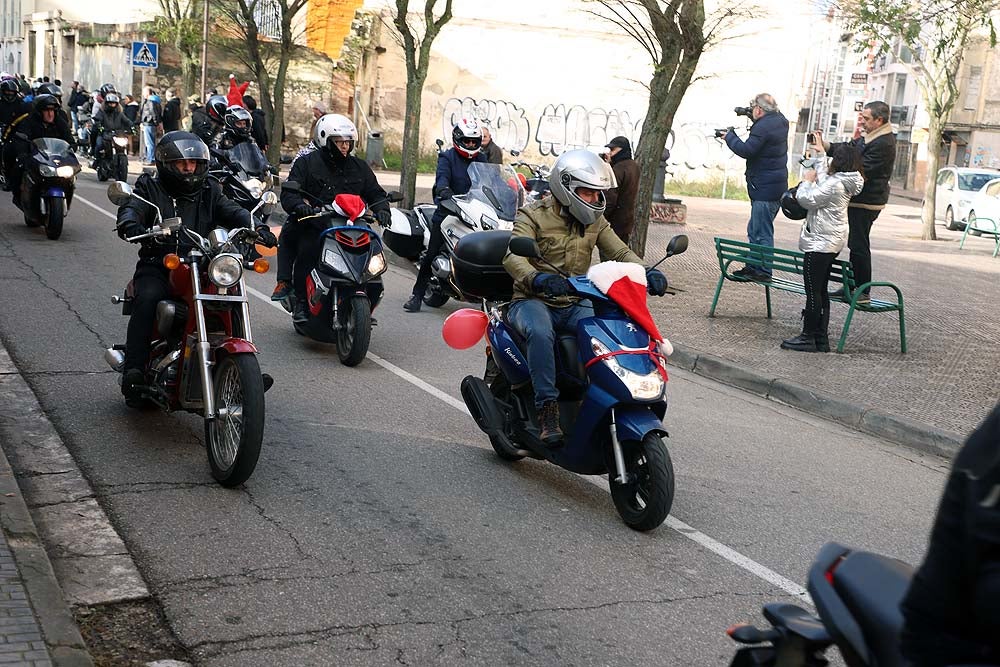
730, 554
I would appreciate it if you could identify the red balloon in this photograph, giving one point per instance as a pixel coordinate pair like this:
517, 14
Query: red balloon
464, 328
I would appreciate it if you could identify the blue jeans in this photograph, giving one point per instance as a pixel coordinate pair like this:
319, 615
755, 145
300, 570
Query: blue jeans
538, 323
760, 229
149, 134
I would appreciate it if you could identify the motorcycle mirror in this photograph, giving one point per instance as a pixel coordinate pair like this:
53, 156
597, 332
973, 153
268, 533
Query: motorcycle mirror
677, 245
395, 197
515, 152
269, 198
522, 246
439, 142
119, 192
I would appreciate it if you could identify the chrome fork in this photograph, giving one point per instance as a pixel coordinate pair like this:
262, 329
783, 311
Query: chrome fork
204, 348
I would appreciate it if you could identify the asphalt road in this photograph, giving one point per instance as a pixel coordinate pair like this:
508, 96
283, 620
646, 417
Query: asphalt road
379, 527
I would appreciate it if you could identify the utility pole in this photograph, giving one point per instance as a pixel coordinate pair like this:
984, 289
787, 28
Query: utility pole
204, 53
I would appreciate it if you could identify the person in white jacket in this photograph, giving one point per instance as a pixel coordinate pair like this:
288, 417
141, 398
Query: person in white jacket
824, 192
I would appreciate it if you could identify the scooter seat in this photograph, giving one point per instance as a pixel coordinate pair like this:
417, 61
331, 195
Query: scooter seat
872, 587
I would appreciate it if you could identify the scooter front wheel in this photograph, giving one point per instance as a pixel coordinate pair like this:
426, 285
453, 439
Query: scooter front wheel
644, 502
355, 331
234, 437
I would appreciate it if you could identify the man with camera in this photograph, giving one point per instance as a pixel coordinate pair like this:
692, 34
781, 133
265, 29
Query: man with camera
878, 154
766, 153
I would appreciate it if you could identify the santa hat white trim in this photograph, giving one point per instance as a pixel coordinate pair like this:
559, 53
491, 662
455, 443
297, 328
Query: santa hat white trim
605, 274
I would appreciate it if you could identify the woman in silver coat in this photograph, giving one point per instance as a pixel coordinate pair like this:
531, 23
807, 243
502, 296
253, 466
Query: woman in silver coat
824, 192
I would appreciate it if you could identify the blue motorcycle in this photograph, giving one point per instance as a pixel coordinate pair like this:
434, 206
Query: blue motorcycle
611, 382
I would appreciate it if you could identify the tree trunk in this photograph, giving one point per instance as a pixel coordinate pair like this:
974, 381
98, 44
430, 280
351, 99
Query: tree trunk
934, 130
411, 138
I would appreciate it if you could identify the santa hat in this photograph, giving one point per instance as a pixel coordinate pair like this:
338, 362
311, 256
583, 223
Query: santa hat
236, 92
625, 284
351, 207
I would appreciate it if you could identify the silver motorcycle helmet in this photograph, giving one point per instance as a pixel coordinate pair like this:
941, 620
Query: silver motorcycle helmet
581, 169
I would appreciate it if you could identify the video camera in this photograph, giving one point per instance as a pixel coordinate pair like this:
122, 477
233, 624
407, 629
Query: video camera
744, 111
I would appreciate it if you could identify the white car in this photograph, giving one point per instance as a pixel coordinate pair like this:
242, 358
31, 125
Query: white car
956, 186
984, 211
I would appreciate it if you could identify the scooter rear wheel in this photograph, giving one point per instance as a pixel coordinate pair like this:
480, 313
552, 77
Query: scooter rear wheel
644, 503
234, 437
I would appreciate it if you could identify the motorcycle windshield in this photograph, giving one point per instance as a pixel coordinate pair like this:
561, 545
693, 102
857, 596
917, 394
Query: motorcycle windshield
250, 158
53, 147
497, 186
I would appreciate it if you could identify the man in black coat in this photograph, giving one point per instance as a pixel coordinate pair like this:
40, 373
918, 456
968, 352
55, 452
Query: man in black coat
44, 121
321, 175
172, 113
180, 189
259, 129
878, 154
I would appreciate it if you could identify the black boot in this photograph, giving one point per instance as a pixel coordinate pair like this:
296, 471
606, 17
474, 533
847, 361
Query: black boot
823, 332
133, 381
805, 341
301, 313
548, 419
413, 305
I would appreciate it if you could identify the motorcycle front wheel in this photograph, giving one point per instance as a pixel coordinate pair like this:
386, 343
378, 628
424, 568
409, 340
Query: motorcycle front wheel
355, 332
122, 168
644, 502
234, 437
56, 215
102, 172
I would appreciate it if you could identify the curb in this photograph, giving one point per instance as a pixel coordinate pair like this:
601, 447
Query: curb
894, 428
62, 636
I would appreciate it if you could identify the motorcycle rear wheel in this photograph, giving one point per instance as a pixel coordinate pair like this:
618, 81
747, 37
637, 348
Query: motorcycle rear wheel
121, 171
234, 437
56, 215
644, 503
435, 296
355, 332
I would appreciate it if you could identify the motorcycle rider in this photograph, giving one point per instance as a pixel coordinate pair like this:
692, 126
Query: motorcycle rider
180, 188
12, 107
322, 174
452, 179
111, 120
209, 122
44, 121
237, 124
566, 226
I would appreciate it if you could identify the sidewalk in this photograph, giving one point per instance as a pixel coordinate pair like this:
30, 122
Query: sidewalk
947, 380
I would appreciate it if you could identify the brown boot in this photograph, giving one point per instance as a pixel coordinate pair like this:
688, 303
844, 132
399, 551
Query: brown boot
548, 419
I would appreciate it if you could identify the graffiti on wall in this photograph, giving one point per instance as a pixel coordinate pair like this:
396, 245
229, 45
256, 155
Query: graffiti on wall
508, 125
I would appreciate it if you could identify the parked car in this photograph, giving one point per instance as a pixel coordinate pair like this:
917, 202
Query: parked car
984, 211
956, 186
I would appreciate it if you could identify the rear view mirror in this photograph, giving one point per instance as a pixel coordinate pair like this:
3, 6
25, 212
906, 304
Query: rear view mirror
439, 142
395, 197
522, 246
677, 245
119, 192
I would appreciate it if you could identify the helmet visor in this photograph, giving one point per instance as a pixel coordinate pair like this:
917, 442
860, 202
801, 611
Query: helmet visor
183, 149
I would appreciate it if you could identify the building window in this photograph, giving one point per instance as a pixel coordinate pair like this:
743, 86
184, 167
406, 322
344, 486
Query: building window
972, 90
267, 16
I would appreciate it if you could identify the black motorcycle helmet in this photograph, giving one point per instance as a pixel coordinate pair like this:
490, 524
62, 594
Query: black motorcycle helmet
9, 90
43, 102
238, 121
111, 103
216, 107
107, 88
176, 146
790, 206
50, 89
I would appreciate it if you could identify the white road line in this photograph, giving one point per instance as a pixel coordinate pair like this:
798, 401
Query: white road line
730, 554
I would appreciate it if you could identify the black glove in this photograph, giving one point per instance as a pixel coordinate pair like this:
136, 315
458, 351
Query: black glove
551, 285
302, 210
130, 229
445, 193
384, 217
656, 282
266, 237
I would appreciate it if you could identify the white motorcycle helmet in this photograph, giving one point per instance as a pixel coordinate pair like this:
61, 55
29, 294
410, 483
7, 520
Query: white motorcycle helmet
581, 169
467, 138
333, 127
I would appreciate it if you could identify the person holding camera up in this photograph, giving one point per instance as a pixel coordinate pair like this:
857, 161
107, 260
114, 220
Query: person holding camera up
766, 153
878, 151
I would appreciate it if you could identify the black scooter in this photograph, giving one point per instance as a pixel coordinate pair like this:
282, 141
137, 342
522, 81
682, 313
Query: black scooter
47, 185
857, 596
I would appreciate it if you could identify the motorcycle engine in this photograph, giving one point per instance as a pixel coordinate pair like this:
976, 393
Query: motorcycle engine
441, 267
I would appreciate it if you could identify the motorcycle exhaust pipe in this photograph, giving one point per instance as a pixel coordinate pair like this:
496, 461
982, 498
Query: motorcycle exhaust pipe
479, 400
115, 359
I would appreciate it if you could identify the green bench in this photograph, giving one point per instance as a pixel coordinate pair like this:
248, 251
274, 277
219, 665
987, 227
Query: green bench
986, 227
791, 262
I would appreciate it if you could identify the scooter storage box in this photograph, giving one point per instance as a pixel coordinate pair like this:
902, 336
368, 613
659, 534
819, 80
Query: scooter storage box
478, 266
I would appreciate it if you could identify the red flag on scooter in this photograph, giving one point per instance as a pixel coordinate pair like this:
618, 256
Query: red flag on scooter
625, 284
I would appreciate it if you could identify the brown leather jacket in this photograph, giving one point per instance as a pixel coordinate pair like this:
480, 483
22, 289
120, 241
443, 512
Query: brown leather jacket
620, 210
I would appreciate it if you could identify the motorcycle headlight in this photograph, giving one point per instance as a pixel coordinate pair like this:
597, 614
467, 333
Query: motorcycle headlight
64, 172
487, 222
333, 260
225, 270
47, 171
121, 142
642, 387
255, 187
376, 265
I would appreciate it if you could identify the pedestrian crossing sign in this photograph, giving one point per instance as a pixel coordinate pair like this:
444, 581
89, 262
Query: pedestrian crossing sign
145, 54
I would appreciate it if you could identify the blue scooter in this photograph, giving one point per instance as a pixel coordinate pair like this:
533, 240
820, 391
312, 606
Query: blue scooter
611, 399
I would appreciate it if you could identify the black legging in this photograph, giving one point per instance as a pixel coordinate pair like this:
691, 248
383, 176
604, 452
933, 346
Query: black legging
288, 250
816, 271
151, 287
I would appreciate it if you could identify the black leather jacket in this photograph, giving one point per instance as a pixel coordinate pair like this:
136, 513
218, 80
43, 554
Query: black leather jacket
114, 122
11, 111
203, 212
34, 128
322, 177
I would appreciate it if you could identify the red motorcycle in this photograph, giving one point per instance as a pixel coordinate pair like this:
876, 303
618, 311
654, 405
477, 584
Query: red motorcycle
202, 357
